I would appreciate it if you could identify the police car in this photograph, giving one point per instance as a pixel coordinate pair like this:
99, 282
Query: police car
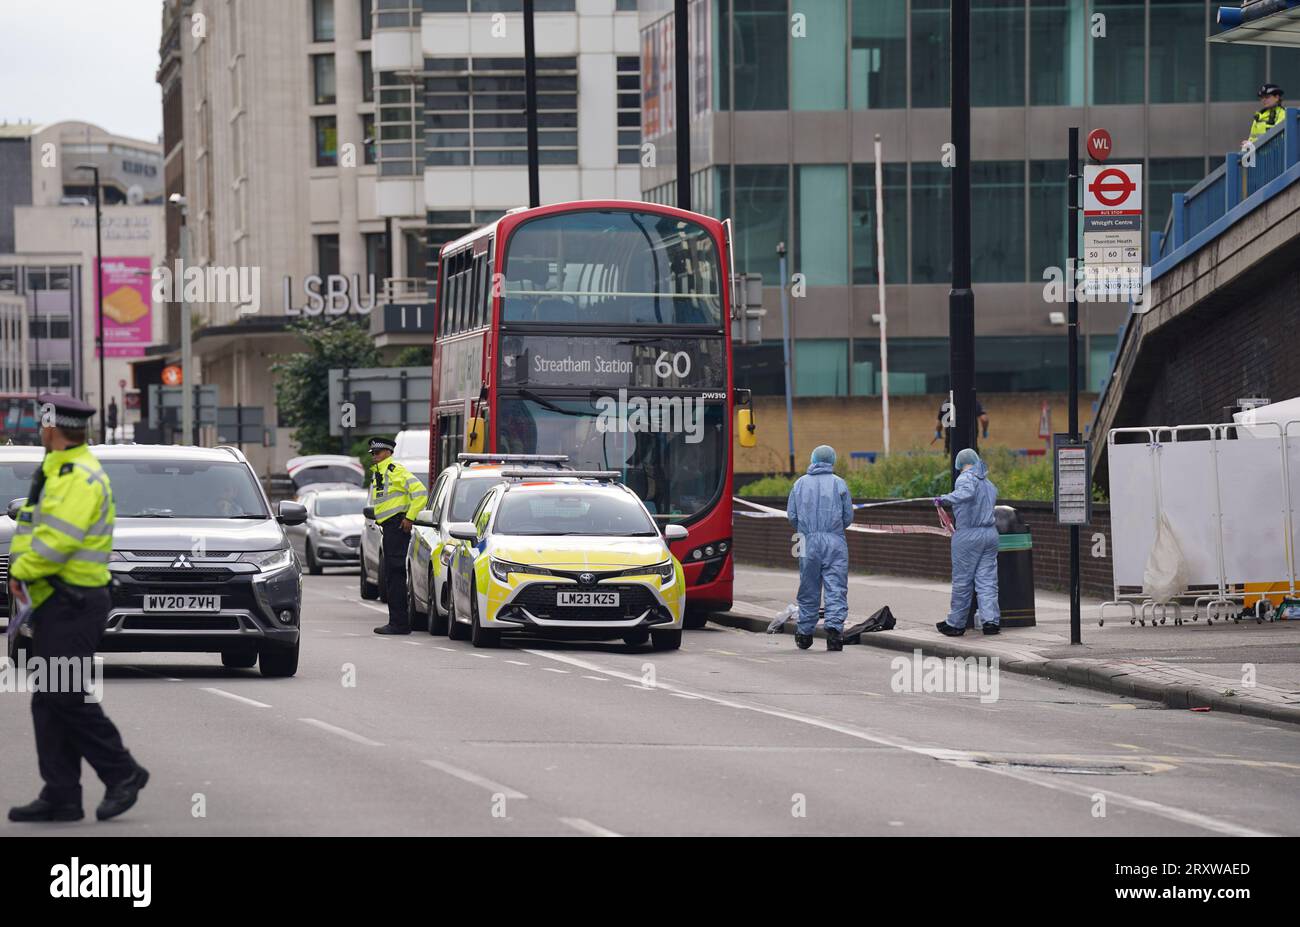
454, 497
572, 555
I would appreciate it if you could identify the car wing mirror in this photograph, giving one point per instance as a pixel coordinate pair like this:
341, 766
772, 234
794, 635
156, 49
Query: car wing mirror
291, 513
463, 531
675, 533
369, 512
15, 505
425, 519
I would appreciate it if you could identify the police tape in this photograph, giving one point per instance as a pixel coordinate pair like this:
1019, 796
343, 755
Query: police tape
944, 528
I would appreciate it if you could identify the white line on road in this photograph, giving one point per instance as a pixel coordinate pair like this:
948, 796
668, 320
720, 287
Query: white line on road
237, 698
518, 663
637, 685
597, 678
588, 828
482, 656
414, 643
375, 608
684, 695
551, 669
448, 649
961, 758
475, 779
342, 732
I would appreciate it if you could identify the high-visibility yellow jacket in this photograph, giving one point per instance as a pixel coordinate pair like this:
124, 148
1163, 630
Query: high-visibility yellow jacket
394, 491
1265, 119
67, 530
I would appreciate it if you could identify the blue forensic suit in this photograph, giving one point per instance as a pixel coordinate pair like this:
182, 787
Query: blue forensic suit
820, 508
974, 547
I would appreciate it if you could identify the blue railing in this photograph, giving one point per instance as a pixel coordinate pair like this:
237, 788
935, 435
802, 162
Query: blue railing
1229, 185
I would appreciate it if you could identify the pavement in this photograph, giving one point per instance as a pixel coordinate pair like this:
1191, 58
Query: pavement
734, 734
1243, 668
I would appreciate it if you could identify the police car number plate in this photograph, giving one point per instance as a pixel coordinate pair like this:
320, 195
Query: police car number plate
609, 599
182, 603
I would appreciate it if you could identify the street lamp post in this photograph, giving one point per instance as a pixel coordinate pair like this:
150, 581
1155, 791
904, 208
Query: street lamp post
187, 346
961, 299
99, 298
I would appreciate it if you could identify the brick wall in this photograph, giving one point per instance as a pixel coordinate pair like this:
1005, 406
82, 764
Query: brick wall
767, 542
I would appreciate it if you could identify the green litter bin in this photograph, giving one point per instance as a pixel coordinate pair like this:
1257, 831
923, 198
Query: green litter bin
1015, 571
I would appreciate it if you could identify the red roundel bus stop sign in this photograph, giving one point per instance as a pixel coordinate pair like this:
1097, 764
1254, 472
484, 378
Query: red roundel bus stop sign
1099, 144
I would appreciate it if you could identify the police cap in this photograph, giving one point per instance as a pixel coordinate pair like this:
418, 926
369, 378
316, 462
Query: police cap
68, 411
382, 444
1270, 90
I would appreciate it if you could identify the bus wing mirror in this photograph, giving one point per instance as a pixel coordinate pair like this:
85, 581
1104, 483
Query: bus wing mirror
475, 436
745, 427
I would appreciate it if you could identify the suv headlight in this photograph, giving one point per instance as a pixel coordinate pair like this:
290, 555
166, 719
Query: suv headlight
502, 569
268, 560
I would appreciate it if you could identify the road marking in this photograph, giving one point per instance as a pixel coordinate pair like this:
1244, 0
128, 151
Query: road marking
684, 695
375, 608
597, 678
588, 828
342, 732
637, 685
414, 643
237, 698
962, 758
448, 649
551, 669
475, 779
518, 663
482, 656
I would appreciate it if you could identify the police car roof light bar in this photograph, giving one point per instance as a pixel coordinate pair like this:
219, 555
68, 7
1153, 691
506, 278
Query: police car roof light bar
602, 475
512, 458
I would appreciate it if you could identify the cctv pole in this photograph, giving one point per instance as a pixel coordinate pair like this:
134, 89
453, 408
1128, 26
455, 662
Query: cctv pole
530, 106
1072, 366
785, 350
880, 290
682, 97
961, 299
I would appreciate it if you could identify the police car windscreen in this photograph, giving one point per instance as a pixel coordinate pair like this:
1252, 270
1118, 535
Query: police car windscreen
190, 489
16, 479
603, 514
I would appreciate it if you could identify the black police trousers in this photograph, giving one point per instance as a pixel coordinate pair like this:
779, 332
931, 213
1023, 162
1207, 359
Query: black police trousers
68, 727
395, 544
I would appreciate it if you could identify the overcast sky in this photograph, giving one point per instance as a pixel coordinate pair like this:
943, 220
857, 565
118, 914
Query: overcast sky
90, 60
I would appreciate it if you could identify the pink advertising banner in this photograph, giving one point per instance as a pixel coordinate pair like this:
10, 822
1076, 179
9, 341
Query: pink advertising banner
127, 306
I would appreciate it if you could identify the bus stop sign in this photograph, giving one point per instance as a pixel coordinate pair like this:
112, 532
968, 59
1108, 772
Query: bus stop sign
1099, 144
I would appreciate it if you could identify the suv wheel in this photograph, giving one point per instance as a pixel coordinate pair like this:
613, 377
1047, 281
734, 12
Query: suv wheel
479, 635
238, 659
313, 567
437, 622
368, 589
666, 640
278, 661
455, 630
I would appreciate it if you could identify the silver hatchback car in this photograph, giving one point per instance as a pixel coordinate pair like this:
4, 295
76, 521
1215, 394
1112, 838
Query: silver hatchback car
331, 535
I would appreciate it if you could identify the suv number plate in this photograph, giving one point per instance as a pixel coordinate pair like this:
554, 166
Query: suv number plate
609, 599
182, 603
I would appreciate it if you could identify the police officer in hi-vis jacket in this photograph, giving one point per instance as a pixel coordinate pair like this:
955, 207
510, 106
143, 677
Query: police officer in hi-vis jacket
59, 562
397, 497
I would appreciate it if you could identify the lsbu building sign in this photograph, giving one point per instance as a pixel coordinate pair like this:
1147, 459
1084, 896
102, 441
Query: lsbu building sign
332, 294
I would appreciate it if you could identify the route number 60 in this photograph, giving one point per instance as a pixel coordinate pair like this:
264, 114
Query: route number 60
678, 365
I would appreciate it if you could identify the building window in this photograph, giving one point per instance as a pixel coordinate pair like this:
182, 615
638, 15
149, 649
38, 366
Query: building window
997, 53
327, 255
377, 262
760, 367
401, 143
366, 8
368, 137
1058, 31
821, 367
322, 67
416, 254
322, 20
1101, 349
822, 198
930, 27
863, 223
1048, 203
817, 59
931, 223
1117, 61
760, 29
629, 109
1020, 364
1165, 177
1235, 71
762, 194
910, 363
1178, 54
367, 79
998, 212
327, 141
878, 60
474, 111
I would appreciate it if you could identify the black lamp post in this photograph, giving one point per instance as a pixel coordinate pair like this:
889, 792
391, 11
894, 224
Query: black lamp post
99, 299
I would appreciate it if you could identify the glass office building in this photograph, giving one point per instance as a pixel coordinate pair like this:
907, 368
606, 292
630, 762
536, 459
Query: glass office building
787, 102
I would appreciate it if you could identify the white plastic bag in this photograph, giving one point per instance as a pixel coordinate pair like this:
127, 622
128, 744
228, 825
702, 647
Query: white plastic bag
1166, 571
778, 623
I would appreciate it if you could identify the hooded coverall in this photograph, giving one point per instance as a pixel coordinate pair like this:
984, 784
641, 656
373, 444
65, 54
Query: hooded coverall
974, 547
819, 509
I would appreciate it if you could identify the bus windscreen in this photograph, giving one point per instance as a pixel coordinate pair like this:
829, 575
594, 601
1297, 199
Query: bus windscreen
619, 267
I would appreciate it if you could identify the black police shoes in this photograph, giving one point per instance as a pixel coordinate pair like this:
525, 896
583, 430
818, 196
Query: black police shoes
392, 629
122, 796
42, 810
991, 628
834, 639
804, 641
948, 630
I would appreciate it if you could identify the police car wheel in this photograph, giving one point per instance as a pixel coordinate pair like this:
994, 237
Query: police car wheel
419, 619
381, 590
278, 661
313, 567
368, 589
695, 618
437, 621
479, 635
636, 638
238, 659
455, 630
666, 640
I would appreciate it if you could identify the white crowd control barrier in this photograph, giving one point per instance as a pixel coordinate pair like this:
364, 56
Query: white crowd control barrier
1229, 494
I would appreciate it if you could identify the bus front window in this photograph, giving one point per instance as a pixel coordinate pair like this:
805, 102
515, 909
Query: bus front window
612, 267
676, 472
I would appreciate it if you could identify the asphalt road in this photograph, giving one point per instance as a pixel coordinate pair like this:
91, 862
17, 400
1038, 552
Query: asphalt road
734, 734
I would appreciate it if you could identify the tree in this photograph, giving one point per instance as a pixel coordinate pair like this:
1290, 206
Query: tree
414, 355
302, 379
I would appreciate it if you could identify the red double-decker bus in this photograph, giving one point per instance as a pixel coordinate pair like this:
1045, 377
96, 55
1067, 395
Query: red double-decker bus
600, 330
